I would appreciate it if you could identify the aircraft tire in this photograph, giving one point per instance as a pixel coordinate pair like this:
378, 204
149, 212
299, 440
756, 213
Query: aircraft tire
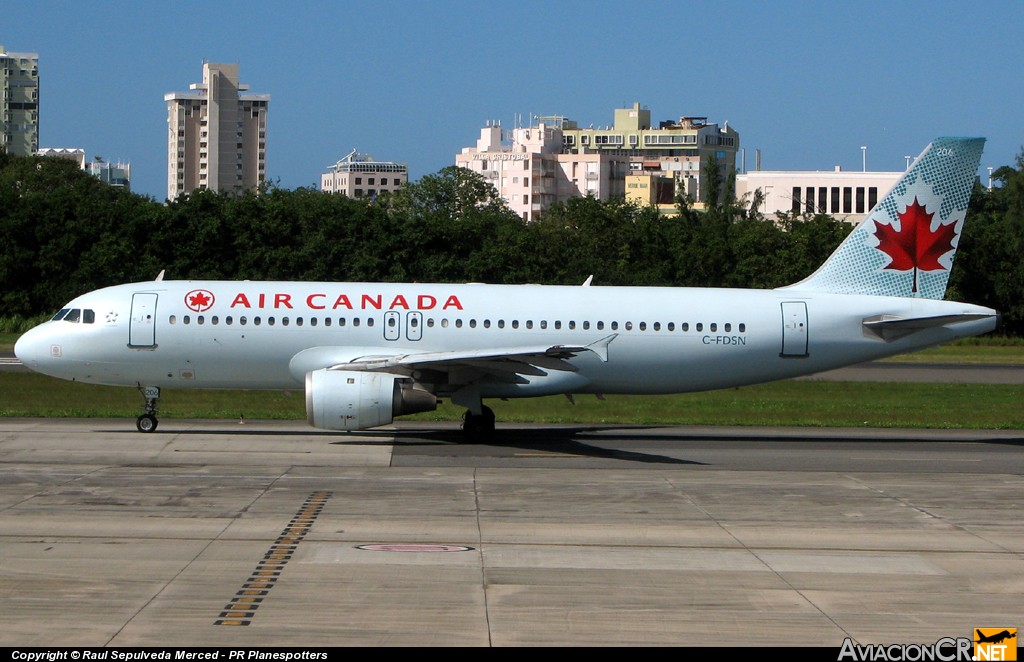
146, 423
478, 428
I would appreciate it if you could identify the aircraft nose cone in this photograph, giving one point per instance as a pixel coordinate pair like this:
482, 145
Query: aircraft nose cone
32, 348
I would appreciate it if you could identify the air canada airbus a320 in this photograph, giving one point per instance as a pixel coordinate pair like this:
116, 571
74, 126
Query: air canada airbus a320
367, 352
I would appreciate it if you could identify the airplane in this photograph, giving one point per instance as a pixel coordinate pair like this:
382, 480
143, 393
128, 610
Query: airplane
997, 638
368, 352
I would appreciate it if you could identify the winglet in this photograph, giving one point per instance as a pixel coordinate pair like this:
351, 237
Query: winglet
588, 281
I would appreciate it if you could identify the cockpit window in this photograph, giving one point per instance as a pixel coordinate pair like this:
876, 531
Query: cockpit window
88, 316
74, 315
60, 314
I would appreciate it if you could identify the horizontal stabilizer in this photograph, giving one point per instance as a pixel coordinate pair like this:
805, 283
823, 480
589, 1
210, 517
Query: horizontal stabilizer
891, 327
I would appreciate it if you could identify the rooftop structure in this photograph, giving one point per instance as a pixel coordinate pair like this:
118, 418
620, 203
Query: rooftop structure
360, 176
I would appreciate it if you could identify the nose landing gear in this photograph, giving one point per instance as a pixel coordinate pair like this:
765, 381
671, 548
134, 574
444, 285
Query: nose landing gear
147, 422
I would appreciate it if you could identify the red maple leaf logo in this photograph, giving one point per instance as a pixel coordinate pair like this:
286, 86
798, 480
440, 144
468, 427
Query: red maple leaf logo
915, 246
199, 300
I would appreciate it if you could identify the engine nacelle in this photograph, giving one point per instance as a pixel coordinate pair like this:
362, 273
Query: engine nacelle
357, 400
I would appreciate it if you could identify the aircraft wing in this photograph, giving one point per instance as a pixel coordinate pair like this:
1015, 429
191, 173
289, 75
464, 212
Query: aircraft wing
505, 364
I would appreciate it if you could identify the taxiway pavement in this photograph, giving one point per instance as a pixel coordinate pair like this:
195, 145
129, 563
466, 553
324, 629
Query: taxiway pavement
212, 533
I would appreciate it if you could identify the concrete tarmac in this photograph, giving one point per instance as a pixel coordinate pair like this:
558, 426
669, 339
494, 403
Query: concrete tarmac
212, 533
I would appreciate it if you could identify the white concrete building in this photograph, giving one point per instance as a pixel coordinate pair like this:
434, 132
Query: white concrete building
216, 135
845, 195
359, 176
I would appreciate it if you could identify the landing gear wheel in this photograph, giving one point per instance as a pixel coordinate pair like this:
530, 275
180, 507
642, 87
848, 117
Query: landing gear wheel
478, 427
146, 423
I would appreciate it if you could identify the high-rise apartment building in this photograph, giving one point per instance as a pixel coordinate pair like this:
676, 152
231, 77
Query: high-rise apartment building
555, 160
359, 176
216, 135
19, 102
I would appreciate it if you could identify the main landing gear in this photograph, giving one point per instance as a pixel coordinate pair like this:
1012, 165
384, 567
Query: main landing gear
147, 422
478, 427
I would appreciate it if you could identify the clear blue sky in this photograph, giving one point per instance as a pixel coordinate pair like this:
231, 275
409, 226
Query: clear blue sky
808, 83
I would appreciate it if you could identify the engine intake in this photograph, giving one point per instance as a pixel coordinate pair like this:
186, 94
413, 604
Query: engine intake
357, 400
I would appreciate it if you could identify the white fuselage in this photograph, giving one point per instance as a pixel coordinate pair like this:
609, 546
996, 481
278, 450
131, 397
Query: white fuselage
227, 334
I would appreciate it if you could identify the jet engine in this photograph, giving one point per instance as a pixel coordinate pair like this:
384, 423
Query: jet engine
357, 400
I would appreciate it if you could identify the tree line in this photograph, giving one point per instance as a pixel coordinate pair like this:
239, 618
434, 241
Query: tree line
63, 233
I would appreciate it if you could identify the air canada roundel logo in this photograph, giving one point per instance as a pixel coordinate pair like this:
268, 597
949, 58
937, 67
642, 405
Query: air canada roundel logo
199, 300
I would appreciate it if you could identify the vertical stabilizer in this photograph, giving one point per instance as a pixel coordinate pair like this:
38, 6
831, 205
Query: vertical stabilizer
906, 244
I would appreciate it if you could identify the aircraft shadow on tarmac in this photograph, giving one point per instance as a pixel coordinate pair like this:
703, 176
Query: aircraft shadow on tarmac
573, 440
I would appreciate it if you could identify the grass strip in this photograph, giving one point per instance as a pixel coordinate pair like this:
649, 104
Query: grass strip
786, 403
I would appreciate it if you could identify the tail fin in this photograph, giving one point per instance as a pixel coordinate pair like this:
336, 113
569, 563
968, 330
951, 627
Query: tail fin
906, 244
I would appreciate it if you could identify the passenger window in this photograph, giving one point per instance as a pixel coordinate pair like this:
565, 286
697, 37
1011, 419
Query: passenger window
558, 324
369, 321
671, 326
615, 326
472, 324
501, 324
271, 321
487, 324
572, 325
257, 321
700, 326
200, 319
173, 319
600, 326
327, 321
298, 321
341, 321
214, 320
529, 324
243, 320
186, 319
657, 326
728, 327
458, 323
714, 326
355, 321
743, 328
312, 321
643, 326
515, 324
444, 322
543, 324
586, 326
430, 322
284, 321
685, 326
629, 326
229, 320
